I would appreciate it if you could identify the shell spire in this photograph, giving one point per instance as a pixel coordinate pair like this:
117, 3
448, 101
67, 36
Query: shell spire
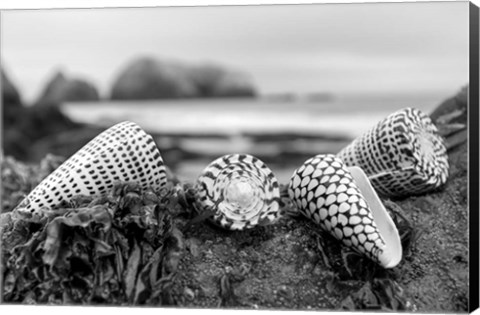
402, 154
343, 203
123, 152
240, 190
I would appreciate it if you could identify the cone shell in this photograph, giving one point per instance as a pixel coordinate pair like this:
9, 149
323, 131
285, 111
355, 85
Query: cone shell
123, 152
403, 154
240, 190
324, 190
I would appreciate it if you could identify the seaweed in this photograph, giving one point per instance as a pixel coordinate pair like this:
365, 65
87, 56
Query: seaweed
133, 247
121, 248
18, 179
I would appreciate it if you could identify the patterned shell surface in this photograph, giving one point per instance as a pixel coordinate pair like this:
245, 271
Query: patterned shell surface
403, 154
123, 152
241, 191
323, 190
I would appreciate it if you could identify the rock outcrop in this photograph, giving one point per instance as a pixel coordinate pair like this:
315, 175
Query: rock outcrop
10, 95
454, 104
12, 114
62, 89
23, 126
213, 81
148, 78
451, 118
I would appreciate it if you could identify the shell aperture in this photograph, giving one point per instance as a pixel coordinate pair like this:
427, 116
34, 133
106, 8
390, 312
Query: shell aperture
240, 190
123, 152
402, 154
324, 190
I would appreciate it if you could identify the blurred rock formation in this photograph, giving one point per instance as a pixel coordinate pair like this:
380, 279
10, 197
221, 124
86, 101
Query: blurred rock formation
10, 95
451, 119
23, 126
148, 78
213, 81
456, 103
62, 89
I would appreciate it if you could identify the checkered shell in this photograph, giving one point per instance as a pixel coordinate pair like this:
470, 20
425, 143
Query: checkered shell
123, 152
403, 154
240, 190
323, 190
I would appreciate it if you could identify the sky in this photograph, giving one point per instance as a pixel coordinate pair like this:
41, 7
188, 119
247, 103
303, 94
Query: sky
384, 48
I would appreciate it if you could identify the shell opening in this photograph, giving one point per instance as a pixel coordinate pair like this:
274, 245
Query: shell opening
426, 148
241, 190
240, 193
392, 253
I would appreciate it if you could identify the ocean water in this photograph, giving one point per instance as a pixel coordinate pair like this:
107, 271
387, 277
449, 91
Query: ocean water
292, 131
348, 117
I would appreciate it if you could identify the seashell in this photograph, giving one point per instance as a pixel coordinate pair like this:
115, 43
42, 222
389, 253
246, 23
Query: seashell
346, 206
240, 191
123, 152
402, 155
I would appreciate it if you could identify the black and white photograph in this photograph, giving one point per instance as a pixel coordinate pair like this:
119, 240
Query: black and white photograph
256, 157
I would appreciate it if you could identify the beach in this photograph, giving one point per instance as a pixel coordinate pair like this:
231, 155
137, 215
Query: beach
142, 217
191, 133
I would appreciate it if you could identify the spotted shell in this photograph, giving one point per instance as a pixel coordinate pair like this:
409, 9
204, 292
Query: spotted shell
240, 190
123, 152
326, 191
403, 154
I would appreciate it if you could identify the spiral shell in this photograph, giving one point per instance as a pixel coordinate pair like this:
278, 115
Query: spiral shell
240, 190
403, 154
327, 192
123, 152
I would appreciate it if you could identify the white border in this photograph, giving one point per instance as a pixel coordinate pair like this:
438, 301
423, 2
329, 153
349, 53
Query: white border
49, 4
45, 4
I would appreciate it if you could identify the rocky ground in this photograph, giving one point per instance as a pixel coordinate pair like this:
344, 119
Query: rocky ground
147, 248
291, 265
288, 265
